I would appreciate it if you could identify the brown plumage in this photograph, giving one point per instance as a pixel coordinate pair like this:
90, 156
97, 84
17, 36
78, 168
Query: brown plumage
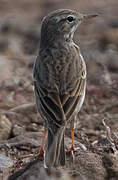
59, 80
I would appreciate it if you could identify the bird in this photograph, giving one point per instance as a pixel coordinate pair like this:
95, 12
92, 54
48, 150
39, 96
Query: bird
59, 76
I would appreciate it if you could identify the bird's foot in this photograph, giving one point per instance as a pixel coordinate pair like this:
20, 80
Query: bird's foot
40, 154
72, 151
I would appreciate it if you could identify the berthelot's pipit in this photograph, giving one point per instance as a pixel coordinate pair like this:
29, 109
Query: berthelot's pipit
59, 81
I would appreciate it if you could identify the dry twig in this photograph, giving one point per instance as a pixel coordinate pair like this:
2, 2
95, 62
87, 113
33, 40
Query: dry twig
108, 131
110, 139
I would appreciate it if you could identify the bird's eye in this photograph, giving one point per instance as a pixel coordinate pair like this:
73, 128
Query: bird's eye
70, 19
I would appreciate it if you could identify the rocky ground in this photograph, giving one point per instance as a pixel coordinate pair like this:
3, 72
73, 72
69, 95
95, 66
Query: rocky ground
21, 127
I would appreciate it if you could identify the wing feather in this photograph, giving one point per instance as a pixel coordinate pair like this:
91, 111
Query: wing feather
58, 107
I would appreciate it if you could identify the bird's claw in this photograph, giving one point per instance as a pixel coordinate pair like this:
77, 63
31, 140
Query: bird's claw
40, 154
72, 151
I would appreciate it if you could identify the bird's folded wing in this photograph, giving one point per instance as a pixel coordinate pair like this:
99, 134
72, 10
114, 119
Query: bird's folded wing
59, 108
70, 102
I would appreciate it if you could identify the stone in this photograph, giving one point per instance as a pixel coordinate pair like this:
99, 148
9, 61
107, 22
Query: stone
5, 164
5, 127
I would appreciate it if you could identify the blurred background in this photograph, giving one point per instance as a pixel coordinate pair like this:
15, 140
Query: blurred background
19, 38
19, 44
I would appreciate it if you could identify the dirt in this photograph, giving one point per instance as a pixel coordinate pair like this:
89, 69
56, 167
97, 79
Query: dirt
21, 127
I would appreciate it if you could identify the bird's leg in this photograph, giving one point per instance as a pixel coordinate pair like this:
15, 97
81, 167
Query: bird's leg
41, 153
72, 149
72, 146
72, 136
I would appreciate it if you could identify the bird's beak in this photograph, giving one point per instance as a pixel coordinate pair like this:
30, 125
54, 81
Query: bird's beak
88, 16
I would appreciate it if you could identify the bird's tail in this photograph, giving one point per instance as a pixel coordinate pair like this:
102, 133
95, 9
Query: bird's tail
55, 150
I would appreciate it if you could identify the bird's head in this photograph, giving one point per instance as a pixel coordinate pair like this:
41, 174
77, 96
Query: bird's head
62, 23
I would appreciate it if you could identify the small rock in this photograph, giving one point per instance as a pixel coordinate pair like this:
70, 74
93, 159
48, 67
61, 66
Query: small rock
18, 130
5, 165
5, 162
32, 127
5, 127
